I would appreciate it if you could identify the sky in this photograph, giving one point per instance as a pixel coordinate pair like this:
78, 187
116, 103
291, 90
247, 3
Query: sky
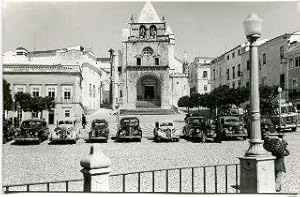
204, 29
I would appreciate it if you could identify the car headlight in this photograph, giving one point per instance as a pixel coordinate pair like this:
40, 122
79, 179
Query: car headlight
36, 134
230, 128
198, 130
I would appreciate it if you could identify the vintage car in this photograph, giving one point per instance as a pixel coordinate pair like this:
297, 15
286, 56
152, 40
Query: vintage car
196, 128
232, 126
165, 130
268, 128
8, 131
32, 130
65, 131
99, 131
129, 129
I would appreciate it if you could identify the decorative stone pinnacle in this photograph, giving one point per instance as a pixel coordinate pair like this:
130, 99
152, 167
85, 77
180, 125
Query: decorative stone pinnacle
96, 159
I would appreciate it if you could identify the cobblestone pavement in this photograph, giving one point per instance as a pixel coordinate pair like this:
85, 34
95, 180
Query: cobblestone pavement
44, 162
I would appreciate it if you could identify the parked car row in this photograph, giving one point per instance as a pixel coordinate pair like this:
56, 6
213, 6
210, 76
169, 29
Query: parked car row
196, 128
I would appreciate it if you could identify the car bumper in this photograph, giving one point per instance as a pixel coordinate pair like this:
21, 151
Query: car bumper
168, 137
129, 137
236, 135
98, 138
60, 139
29, 139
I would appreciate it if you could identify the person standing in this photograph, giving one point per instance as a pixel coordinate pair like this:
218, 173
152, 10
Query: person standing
278, 147
83, 121
279, 163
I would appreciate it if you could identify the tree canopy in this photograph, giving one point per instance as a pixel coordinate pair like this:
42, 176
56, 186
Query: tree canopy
7, 98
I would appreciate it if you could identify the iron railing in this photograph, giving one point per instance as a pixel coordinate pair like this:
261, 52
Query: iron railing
199, 179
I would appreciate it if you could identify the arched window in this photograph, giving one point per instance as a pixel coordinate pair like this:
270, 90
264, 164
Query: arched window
142, 31
153, 31
147, 51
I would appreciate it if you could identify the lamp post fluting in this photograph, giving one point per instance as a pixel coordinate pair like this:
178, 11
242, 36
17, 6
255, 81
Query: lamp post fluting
257, 173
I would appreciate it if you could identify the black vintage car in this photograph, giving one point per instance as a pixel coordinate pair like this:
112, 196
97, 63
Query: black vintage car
198, 128
32, 130
129, 129
232, 127
268, 128
99, 131
8, 131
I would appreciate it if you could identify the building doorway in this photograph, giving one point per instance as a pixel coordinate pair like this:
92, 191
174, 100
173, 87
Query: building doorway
149, 92
51, 117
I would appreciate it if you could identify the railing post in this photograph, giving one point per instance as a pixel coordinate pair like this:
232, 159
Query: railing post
96, 169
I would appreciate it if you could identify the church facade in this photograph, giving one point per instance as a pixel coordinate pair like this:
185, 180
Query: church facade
150, 74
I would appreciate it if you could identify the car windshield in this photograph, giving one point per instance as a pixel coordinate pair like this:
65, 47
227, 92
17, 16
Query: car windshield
65, 122
166, 124
130, 122
29, 124
196, 120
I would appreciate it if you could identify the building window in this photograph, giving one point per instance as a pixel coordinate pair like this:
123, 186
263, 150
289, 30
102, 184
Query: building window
233, 54
282, 80
67, 113
239, 83
239, 52
67, 92
19, 89
247, 84
94, 91
153, 31
220, 72
294, 84
90, 90
227, 57
138, 61
205, 88
233, 72
35, 91
51, 92
291, 64
142, 31
239, 70
263, 81
35, 114
248, 65
264, 59
214, 74
156, 61
227, 73
147, 51
281, 52
233, 85
297, 62
204, 74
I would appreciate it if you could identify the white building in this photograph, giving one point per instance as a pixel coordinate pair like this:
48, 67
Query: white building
73, 76
199, 75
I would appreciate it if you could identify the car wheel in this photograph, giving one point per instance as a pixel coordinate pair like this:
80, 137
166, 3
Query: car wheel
74, 141
294, 129
158, 139
39, 141
176, 139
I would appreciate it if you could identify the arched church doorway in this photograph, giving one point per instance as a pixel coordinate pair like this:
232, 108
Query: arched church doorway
148, 92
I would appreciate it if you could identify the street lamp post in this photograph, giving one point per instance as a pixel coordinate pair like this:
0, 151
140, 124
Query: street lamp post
257, 165
279, 110
111, 52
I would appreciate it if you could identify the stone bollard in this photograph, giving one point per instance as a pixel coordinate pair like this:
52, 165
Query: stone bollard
96, 169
